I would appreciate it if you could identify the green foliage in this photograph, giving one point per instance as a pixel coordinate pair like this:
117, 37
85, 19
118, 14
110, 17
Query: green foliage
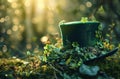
75, 54
84, 19
99, 33
13, 68
56, 62
64, 61
64, 66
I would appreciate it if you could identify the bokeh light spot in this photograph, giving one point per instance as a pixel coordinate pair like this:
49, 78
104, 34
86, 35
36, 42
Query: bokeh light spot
21, 28
82, 7
17, 12
14, 5
7, 18
27, 3
44, 39
15, 28
88, 4
28, 46
11, 1
15, 20
4, 48
9, 32
2, 20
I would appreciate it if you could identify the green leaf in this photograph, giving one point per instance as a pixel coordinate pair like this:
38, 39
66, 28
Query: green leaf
73, 65
62, 62
65, 76
28, 53
68, 60
75, 44
57, 50
77, 49
103, 52
44, 58
84, 19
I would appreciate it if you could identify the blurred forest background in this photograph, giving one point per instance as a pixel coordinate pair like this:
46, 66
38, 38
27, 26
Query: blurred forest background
28, 24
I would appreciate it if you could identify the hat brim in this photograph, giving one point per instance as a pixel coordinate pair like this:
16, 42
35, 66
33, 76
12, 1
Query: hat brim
102, 56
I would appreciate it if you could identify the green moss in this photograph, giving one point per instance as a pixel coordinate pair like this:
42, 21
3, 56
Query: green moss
33, 68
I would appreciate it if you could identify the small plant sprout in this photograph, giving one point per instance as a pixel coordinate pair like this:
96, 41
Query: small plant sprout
84, 19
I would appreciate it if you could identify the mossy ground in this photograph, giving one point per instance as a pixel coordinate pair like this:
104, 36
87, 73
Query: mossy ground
32, 68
